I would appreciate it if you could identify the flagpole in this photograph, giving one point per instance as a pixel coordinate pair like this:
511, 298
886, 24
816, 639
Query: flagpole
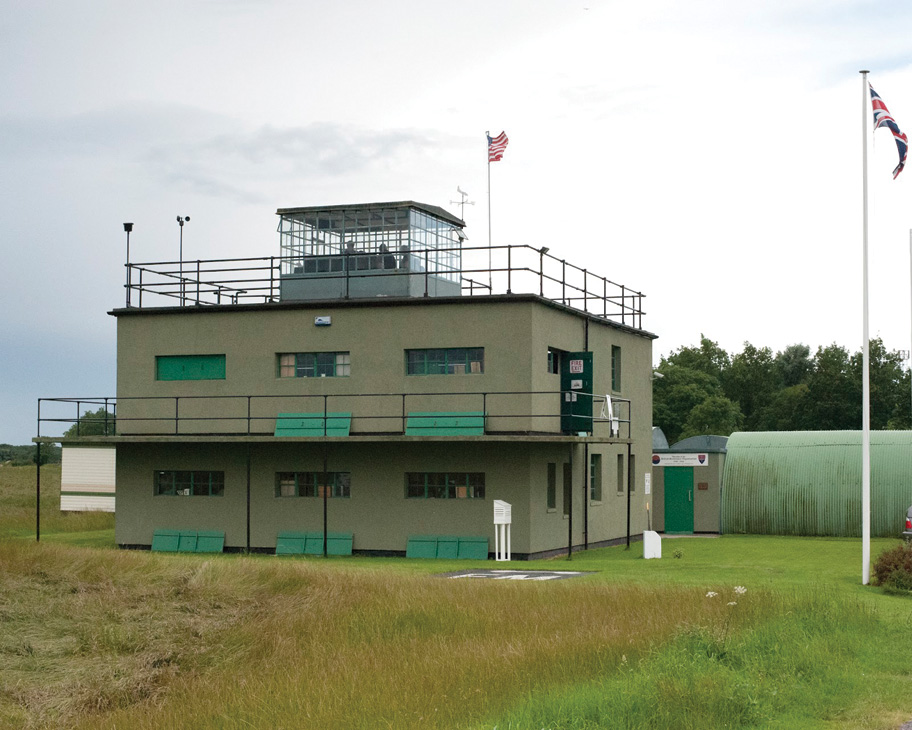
866, 380
490, 284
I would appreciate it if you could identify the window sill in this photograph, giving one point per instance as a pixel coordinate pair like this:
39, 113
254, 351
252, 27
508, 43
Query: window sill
552, 511
595, 503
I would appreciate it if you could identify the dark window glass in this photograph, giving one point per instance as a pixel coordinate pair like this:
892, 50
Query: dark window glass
190, 483
445, 485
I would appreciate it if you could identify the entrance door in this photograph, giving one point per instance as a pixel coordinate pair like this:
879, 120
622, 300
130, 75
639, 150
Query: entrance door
679, 509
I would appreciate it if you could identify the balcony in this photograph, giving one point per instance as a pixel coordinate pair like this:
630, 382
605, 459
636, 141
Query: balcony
528, 415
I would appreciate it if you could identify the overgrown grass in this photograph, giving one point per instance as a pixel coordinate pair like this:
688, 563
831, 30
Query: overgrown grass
17, 501
100, 638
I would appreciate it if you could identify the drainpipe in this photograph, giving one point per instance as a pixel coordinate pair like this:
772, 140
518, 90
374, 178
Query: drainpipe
248, 495
629, 484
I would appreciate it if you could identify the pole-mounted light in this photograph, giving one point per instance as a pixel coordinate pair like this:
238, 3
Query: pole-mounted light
128, 227
180, 221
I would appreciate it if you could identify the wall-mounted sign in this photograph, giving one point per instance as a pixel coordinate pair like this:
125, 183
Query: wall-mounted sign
680, 460
647, 483
323, 321
576, 366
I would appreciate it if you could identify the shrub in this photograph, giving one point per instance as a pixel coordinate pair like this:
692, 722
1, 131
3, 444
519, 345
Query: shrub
893, 568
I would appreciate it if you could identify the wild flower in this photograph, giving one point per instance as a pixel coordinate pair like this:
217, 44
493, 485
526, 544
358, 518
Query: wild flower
732, 603
740, 590
711, 594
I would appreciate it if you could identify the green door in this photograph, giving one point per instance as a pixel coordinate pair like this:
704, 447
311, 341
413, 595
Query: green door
679, 508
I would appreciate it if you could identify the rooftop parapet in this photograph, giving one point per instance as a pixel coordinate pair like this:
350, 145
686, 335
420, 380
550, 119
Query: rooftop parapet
380, 250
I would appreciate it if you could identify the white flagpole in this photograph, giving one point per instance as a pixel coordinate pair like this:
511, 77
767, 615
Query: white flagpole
487, 139
866, 380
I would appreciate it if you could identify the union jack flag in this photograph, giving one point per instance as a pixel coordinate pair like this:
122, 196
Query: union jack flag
496, 146
883, 118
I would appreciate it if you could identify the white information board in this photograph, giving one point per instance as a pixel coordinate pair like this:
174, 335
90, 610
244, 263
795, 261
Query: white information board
680, 460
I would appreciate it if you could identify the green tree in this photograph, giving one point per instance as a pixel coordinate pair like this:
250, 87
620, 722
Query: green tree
716, 415
708, 358
794, 364
786, 411
889, 386
834, 395
92, 423
751, 381
676, 394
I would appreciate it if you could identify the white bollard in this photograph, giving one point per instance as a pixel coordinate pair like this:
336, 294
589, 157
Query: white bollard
652, 545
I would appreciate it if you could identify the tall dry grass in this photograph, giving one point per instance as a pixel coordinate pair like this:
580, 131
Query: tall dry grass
17, 504
118, 639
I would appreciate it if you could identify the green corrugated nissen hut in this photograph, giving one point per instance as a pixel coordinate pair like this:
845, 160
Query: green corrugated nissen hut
809, 483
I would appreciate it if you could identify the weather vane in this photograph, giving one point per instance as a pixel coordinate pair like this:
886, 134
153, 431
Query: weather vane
463, 202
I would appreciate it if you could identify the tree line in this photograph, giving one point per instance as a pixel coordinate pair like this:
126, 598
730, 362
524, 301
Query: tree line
705, 390
24, 455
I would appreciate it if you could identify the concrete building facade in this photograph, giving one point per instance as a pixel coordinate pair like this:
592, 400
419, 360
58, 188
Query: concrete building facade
352, 394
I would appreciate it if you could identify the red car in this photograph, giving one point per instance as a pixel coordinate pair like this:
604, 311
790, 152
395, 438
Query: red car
907, 533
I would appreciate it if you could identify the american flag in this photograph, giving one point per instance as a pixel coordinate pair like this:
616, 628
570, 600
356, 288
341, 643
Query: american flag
497, 145
882, 118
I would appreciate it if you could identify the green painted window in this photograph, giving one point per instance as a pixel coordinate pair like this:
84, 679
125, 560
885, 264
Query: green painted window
445, 361
313, 364
552, 486
190, 483
445, 485
555, 358
615, 368
313, 484
190, 367
595, 477
568, 489
620, 474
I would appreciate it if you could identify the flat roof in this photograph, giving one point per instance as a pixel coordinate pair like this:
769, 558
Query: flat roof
431, 209
486, 300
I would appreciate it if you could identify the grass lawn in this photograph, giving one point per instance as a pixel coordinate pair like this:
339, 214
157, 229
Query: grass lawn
95, 637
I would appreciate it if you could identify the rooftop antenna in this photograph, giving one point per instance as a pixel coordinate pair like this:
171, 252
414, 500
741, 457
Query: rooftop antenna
463, 202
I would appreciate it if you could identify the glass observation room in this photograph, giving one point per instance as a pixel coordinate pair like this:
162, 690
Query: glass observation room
403, 249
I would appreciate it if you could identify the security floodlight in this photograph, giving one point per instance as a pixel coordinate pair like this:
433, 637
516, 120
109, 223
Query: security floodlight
543, 250
128, 227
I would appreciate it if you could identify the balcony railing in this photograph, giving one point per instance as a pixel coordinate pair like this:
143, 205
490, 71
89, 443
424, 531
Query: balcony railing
480, 271
505, 413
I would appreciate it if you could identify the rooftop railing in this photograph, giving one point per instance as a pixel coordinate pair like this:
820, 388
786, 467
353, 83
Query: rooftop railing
504, 413
479, 271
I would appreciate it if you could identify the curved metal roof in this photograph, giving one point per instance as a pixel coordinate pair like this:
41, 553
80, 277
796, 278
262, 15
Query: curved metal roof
809, 483
714, 444
659, 442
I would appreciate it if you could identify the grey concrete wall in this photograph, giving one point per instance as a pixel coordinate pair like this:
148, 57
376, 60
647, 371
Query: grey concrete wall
515, 335
378, 512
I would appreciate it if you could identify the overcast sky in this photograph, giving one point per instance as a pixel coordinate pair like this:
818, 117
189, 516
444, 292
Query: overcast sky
705, 153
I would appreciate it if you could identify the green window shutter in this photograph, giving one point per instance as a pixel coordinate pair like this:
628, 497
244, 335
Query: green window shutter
190, 367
